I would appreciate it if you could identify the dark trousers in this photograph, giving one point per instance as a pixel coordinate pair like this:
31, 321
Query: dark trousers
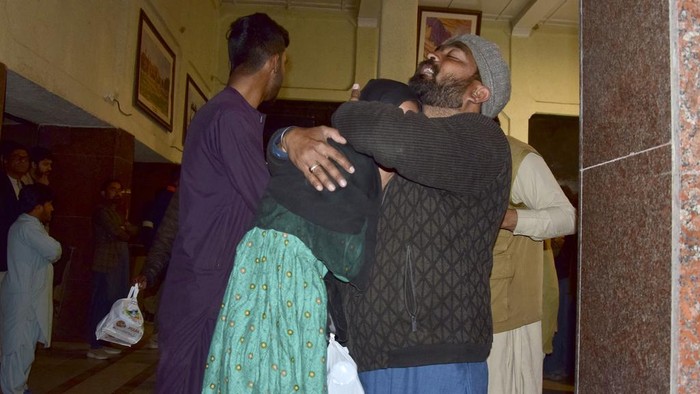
107, 288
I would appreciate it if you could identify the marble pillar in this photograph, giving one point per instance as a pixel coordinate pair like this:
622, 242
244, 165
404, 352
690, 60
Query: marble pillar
83, 159
639, 294
687, 53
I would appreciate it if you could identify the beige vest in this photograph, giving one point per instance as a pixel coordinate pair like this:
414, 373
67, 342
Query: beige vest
517, 276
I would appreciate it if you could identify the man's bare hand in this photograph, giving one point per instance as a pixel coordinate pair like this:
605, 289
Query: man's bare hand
141, 281
310, 152
510, 220
355, 92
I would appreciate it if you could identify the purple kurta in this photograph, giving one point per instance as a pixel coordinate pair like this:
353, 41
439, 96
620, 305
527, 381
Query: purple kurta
222, 179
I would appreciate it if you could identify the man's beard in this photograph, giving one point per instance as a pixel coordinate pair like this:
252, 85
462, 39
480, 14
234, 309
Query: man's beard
447, 94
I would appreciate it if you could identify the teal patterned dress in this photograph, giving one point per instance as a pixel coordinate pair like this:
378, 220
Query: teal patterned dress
271, 333
276, 287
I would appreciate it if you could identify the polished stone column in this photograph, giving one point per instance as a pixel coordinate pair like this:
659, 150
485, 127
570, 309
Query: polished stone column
639, 292
687, 54
83, 159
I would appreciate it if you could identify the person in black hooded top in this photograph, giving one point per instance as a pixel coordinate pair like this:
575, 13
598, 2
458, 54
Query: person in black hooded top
271, 331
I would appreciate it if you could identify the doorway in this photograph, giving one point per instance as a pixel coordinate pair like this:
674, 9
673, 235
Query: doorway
556, 138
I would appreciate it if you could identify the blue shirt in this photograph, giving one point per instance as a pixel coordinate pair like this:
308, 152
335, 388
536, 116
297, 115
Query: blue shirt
27, 290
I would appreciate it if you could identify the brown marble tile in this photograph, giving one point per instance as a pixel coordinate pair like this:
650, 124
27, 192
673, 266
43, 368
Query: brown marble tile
124, 146
75, 232
77, 185
79, 141
625, 79
83, 160
72, 324
148, 179
689, 250
625, 294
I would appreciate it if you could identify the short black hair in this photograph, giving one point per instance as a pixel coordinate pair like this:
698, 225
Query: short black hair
39, 153
252, 40
32, 195
105, 184
8, 147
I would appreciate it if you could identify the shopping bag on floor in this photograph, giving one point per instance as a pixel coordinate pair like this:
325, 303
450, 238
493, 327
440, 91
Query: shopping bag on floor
342, 370
123, 324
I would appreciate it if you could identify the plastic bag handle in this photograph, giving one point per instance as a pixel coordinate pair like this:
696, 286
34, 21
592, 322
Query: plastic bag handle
133, 292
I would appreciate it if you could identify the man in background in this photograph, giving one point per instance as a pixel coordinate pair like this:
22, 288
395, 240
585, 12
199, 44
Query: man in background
41, 163
157, 262
158, 258
223, 175
110, 265
538, 209
26, 304
15, 161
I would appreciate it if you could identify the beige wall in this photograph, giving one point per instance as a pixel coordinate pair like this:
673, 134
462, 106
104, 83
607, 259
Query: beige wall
83, 50
544, 74
545, 66
399, 31
327, 53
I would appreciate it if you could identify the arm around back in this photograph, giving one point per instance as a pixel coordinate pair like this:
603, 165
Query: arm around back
461, 153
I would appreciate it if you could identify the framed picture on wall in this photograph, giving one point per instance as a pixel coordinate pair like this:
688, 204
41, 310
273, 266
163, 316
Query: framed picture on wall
155, 74
3, 85
436, 25
194, 100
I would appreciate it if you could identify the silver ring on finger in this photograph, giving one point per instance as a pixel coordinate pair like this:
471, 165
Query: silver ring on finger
314, 167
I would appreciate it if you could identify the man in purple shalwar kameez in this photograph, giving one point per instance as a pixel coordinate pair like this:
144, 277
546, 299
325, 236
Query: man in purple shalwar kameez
223, 176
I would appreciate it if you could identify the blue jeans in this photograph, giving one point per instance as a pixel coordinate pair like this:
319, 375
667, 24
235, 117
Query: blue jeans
460, 378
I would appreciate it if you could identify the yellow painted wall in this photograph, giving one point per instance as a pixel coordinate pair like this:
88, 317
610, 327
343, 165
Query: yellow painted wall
399, 32
544, 66
82, 50
327, 53
544, 74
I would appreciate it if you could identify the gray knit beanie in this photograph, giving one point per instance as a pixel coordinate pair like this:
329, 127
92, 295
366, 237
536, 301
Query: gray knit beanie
493, 70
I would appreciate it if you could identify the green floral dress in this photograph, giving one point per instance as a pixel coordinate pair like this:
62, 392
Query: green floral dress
271, 333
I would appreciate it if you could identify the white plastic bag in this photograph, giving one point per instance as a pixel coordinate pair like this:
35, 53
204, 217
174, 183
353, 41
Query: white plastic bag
342, 370
123, 324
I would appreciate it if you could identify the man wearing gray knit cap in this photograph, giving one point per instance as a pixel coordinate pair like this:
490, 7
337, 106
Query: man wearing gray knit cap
491, 71
539, 210
423, 322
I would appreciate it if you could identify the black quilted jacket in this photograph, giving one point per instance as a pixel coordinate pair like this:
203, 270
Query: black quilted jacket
428, 300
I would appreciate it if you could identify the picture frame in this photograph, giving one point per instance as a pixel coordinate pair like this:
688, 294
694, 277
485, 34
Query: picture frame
3, 87
436, 25
194, 100
155, 74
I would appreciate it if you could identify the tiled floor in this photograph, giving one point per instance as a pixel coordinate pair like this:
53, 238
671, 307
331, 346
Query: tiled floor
551, 387
64, 368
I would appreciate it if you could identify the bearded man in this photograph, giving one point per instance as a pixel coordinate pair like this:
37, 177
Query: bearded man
423, 324
26, 299
41, 165
223, 175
